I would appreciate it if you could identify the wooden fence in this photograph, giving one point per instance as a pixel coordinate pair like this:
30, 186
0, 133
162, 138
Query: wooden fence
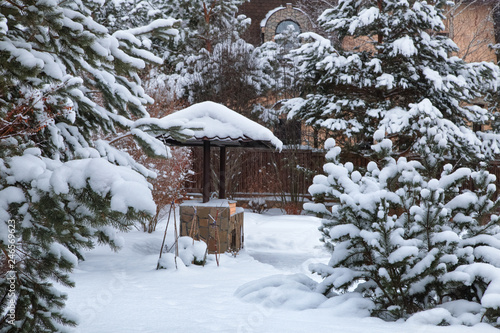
259, 172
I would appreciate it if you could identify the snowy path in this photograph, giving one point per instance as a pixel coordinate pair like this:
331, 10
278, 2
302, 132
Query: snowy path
288, 243
123, 293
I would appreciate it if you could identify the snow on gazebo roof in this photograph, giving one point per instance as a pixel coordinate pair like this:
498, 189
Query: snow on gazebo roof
221, 126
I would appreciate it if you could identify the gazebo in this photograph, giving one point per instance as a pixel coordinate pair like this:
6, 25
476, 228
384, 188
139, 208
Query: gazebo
217, 222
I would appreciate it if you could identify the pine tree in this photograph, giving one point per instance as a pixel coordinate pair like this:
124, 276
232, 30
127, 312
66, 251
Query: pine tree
66, 81
280, 65
393, 55
215, 63
127, 14
410, 235
209, 60
407, 240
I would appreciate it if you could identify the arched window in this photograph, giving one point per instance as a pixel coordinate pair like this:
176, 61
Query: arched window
281, 18
283, 25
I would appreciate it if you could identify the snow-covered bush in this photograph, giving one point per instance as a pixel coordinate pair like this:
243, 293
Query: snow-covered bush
410, 238
295, 292
190, 252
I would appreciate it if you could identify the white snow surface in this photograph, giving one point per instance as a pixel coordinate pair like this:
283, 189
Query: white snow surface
267, 287
213, 120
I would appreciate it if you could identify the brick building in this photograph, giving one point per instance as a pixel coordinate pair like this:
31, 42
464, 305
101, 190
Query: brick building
270, 17
473, 25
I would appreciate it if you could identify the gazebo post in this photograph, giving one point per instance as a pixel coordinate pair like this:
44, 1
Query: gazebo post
206, 171
222, 173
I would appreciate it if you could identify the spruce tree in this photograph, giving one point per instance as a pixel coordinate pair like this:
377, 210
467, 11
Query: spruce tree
214, 63
209, 60
407, 239
280, 65
419, 231
65, 82
393, 54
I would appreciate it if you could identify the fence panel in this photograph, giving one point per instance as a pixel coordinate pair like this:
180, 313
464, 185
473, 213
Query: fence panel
268, 172
260, 171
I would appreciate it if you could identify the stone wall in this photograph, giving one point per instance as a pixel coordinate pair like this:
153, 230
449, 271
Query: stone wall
257, 11
287, 13
223, 235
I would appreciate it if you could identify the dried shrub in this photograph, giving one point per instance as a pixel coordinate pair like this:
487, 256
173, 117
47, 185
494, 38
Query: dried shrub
258, 205
293, 208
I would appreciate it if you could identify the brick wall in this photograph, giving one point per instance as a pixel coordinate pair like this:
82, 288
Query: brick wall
472, 28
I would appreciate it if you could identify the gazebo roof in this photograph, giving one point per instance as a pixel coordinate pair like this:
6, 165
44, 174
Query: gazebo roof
210, 124
221, 126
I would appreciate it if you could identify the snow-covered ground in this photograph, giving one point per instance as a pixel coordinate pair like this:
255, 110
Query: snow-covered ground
262, 289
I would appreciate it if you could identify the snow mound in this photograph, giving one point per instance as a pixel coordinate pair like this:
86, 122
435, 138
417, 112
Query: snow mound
192, 251
349, 305
466, 313
436, 316
299, 292
167, 261
148, 246
292, 292
460, 312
